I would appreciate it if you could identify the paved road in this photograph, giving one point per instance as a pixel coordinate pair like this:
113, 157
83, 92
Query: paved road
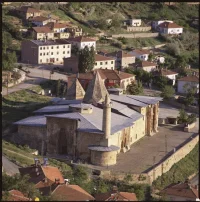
9, 167
37, 75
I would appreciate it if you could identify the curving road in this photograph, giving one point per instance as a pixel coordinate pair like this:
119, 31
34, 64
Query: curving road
9, 167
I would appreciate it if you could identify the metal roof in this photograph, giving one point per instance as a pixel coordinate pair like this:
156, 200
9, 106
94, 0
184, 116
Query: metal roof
127, 100
81, 106
32, 121
65, 102
50, 42
145, 99
53, 109
104, 149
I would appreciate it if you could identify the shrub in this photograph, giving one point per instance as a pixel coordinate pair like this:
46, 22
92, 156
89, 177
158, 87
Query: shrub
173, 49
191, 118
167, 92
135, 88
183, 116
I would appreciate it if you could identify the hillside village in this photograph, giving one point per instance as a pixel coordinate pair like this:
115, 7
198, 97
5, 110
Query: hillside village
100, 101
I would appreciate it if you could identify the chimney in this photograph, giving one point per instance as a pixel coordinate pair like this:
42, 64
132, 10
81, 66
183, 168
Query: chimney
57, 180
66, 181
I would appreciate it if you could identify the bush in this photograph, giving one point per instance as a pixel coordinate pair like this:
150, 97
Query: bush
135, 88
173, 49
191, 119
183, 116
167, 92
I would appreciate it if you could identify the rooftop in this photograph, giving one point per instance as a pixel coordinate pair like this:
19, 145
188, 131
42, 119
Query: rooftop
42, 29
166, 72
39, 18
55, 25
81, 39
145, 64
102, 58
139, 52
182, 189
71, 193
119, 54
53, 109
190, 79
169, 25
28, 9
15, 195
49, 42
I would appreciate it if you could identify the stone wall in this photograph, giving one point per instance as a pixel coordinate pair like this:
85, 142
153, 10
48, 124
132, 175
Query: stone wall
136, 35
173, 157
138, 29
33, 136
103, 158
189, 127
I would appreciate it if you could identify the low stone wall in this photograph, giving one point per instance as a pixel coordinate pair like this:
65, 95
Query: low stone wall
173, 157
23, 77
136, 178
152, 47
138, 29
189, 127
136, 35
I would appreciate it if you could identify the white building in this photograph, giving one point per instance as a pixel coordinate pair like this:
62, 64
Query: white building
156, 23
56, 27
41, 52
81, 42
169, 28
103, 62
140, 54
170, 75
40, 21
188, 82
135, 22
144, 65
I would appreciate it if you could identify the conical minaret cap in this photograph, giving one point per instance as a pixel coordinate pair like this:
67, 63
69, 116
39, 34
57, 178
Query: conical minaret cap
96, 91
75, 91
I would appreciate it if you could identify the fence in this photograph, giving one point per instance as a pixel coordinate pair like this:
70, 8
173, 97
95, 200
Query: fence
136, 35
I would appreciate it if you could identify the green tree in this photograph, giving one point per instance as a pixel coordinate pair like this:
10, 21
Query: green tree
8, 60
128, 178
80, 174
86, 59
167, 92
190, 93
183, 116
135, 88
151, 57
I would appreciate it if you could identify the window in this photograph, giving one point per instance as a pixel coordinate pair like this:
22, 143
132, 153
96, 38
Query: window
95, 63
40, 54
47, 60
111, 62
63, 52
51, 53
43, 48
101, 63
67, 52
51, 47
40, 48
41, 60
57, 47
136, 136
63, 46
47, 47
43, 53
47, 53
106, 63
57, 53
56, 59
68, 46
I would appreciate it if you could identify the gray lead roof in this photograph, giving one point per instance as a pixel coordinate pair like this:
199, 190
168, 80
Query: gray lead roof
145, 99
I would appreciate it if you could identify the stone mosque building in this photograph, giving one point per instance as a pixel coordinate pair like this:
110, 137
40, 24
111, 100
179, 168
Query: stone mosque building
94, 126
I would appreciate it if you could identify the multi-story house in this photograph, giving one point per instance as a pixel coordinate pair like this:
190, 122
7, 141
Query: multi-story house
42, 33
122, 59
144, 65
155, 24
28, 12
47, 51
40, 21
140, 54
80, 42
135, 22
74, 30
169, 28
101, 62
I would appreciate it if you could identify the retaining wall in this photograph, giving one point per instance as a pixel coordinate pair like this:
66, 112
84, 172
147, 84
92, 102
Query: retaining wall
173, 157
136, 35
138, 29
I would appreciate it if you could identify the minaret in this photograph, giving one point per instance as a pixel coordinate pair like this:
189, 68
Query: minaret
106, 126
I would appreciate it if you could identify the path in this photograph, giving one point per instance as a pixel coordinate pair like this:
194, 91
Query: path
9, 167
37, 75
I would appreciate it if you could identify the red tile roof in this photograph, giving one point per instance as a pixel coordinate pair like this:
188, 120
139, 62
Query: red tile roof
39, 19
145, 64
190, 79
140, 51
166, 72
15, 195
81, 39
42, 29
29, 9
105, 74
116, 196
182, 189
169, 25
55, 25
102, 58
71, 193
119, 54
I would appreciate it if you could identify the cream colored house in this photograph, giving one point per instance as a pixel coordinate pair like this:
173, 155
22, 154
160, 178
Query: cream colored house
103, 62
41, 52
145, 65
140, 54
42, 33
28, 12
122, 59
170, 28
135, 22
